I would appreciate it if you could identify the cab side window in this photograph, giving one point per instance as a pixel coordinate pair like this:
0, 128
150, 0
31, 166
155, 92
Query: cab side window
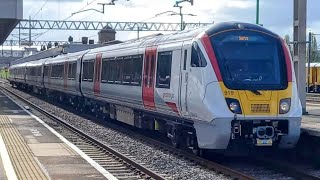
197, 57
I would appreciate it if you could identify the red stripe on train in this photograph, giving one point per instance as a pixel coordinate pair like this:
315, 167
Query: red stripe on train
288, 60
209, 49
96, 88
173, 106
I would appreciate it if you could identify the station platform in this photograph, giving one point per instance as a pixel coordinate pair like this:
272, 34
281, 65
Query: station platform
31, 150
311, 122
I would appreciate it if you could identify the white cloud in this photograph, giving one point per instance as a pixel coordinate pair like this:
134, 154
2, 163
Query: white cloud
277, 18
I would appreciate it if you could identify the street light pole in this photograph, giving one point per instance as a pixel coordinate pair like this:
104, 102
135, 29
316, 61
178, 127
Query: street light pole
181, 18
257, 13
180, 12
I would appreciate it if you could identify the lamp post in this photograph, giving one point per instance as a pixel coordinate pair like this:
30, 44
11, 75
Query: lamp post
257, 13
180, 12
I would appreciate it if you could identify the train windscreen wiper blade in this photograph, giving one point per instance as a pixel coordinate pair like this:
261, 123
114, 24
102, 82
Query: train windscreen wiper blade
256, 92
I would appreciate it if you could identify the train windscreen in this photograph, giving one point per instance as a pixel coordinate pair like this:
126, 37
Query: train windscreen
250, 60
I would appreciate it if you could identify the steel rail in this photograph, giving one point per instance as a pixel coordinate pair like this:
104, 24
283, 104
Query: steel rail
180, 153
138, 166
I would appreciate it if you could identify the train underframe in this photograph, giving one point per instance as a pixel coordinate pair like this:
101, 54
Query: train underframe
259, 132
244, 133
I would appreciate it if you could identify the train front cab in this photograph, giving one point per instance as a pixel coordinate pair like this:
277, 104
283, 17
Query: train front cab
256, 84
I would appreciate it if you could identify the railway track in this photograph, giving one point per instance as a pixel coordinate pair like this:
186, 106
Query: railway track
97, 148
313, 97
119, 165
268, 163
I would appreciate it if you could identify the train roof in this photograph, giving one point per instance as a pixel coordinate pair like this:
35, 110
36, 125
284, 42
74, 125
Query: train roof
226, 26
154, 40
186, 35
66, 57
36, 62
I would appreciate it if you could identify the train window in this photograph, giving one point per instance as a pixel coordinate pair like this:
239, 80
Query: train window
152, 71
88, 69
111, 71
60, 70
127, 69
56, 71
46, 71
197, 57
185, 59
118, 70
85, 71
146, 78
53, 72
137, 69
69, 71
39, 71
72, 71
164, 69
104, 71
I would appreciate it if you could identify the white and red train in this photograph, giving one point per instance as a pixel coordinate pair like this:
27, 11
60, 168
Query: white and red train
207, 88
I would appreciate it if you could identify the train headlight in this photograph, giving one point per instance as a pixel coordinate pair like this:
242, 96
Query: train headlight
284, 106
234, 105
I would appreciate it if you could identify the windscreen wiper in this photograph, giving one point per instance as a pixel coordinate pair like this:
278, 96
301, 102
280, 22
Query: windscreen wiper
256, 92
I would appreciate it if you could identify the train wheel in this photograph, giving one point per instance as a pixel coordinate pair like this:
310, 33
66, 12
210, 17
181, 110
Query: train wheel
175, 139
198, 152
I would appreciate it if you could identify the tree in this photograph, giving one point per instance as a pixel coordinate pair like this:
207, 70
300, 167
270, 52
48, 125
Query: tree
314, 50
287, 40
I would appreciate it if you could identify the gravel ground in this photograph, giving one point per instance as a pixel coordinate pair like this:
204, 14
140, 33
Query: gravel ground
258, 172
151, 157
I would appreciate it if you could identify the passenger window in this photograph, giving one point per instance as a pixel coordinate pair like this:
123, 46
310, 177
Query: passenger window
137, 70
197, 57
72, 70
60, 71
152, 71
105, 70
146, 78
127, 70
88, 69
39, 71
111, 71
164, 69
69, 71
185, 59
118, 70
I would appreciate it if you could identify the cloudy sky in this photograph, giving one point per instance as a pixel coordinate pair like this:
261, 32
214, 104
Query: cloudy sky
274, 14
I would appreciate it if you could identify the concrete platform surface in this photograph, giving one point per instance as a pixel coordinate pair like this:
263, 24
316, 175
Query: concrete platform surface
34, 151
311, 122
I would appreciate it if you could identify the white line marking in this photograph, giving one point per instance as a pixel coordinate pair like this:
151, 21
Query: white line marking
35, 132
104, 172
11, 174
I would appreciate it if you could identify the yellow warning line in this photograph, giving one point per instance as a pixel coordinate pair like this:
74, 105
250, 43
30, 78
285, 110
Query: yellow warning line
24, 164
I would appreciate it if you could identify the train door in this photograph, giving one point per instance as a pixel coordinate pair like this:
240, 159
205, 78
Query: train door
149, 78
97, 67
185, 58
